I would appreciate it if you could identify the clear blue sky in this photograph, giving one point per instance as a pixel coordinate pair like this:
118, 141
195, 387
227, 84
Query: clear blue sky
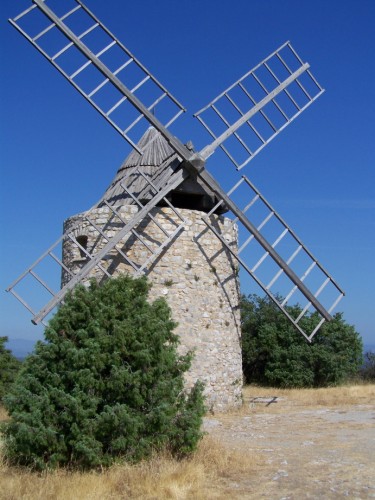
58, 155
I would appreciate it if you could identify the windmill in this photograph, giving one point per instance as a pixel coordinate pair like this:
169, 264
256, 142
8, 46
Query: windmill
165, 214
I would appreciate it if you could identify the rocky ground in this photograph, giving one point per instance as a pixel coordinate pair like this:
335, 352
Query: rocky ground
304, 451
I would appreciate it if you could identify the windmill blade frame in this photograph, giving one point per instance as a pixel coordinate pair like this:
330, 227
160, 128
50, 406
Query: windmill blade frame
112, 78
276, 95
95, 260
308, 267
191, 163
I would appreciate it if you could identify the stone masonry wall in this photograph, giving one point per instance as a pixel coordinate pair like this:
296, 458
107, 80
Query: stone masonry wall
196, 275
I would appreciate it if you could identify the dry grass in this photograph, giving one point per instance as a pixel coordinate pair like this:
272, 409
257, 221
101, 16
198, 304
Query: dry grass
200, 476
329, 396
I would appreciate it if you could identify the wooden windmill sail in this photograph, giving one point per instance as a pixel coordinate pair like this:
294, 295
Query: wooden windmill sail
241, 122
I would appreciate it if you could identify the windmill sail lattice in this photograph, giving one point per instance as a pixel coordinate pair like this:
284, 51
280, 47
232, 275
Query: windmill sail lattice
128, 228
242, 120
292, 260
256, 108
99, 66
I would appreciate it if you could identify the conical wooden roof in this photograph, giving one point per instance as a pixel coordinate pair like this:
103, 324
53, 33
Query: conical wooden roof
156, 150
158, 162
157, 155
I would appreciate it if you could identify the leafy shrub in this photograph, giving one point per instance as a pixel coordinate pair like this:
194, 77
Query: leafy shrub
107, 384
275, 354
9, 367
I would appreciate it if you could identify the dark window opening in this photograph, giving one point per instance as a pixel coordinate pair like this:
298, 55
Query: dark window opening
82, 240
190, 201
187, 200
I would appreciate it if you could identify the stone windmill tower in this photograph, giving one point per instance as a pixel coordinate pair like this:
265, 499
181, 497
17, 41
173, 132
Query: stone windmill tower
193, 270
165, 214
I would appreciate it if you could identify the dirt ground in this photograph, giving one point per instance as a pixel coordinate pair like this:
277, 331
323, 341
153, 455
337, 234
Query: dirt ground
303, 450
